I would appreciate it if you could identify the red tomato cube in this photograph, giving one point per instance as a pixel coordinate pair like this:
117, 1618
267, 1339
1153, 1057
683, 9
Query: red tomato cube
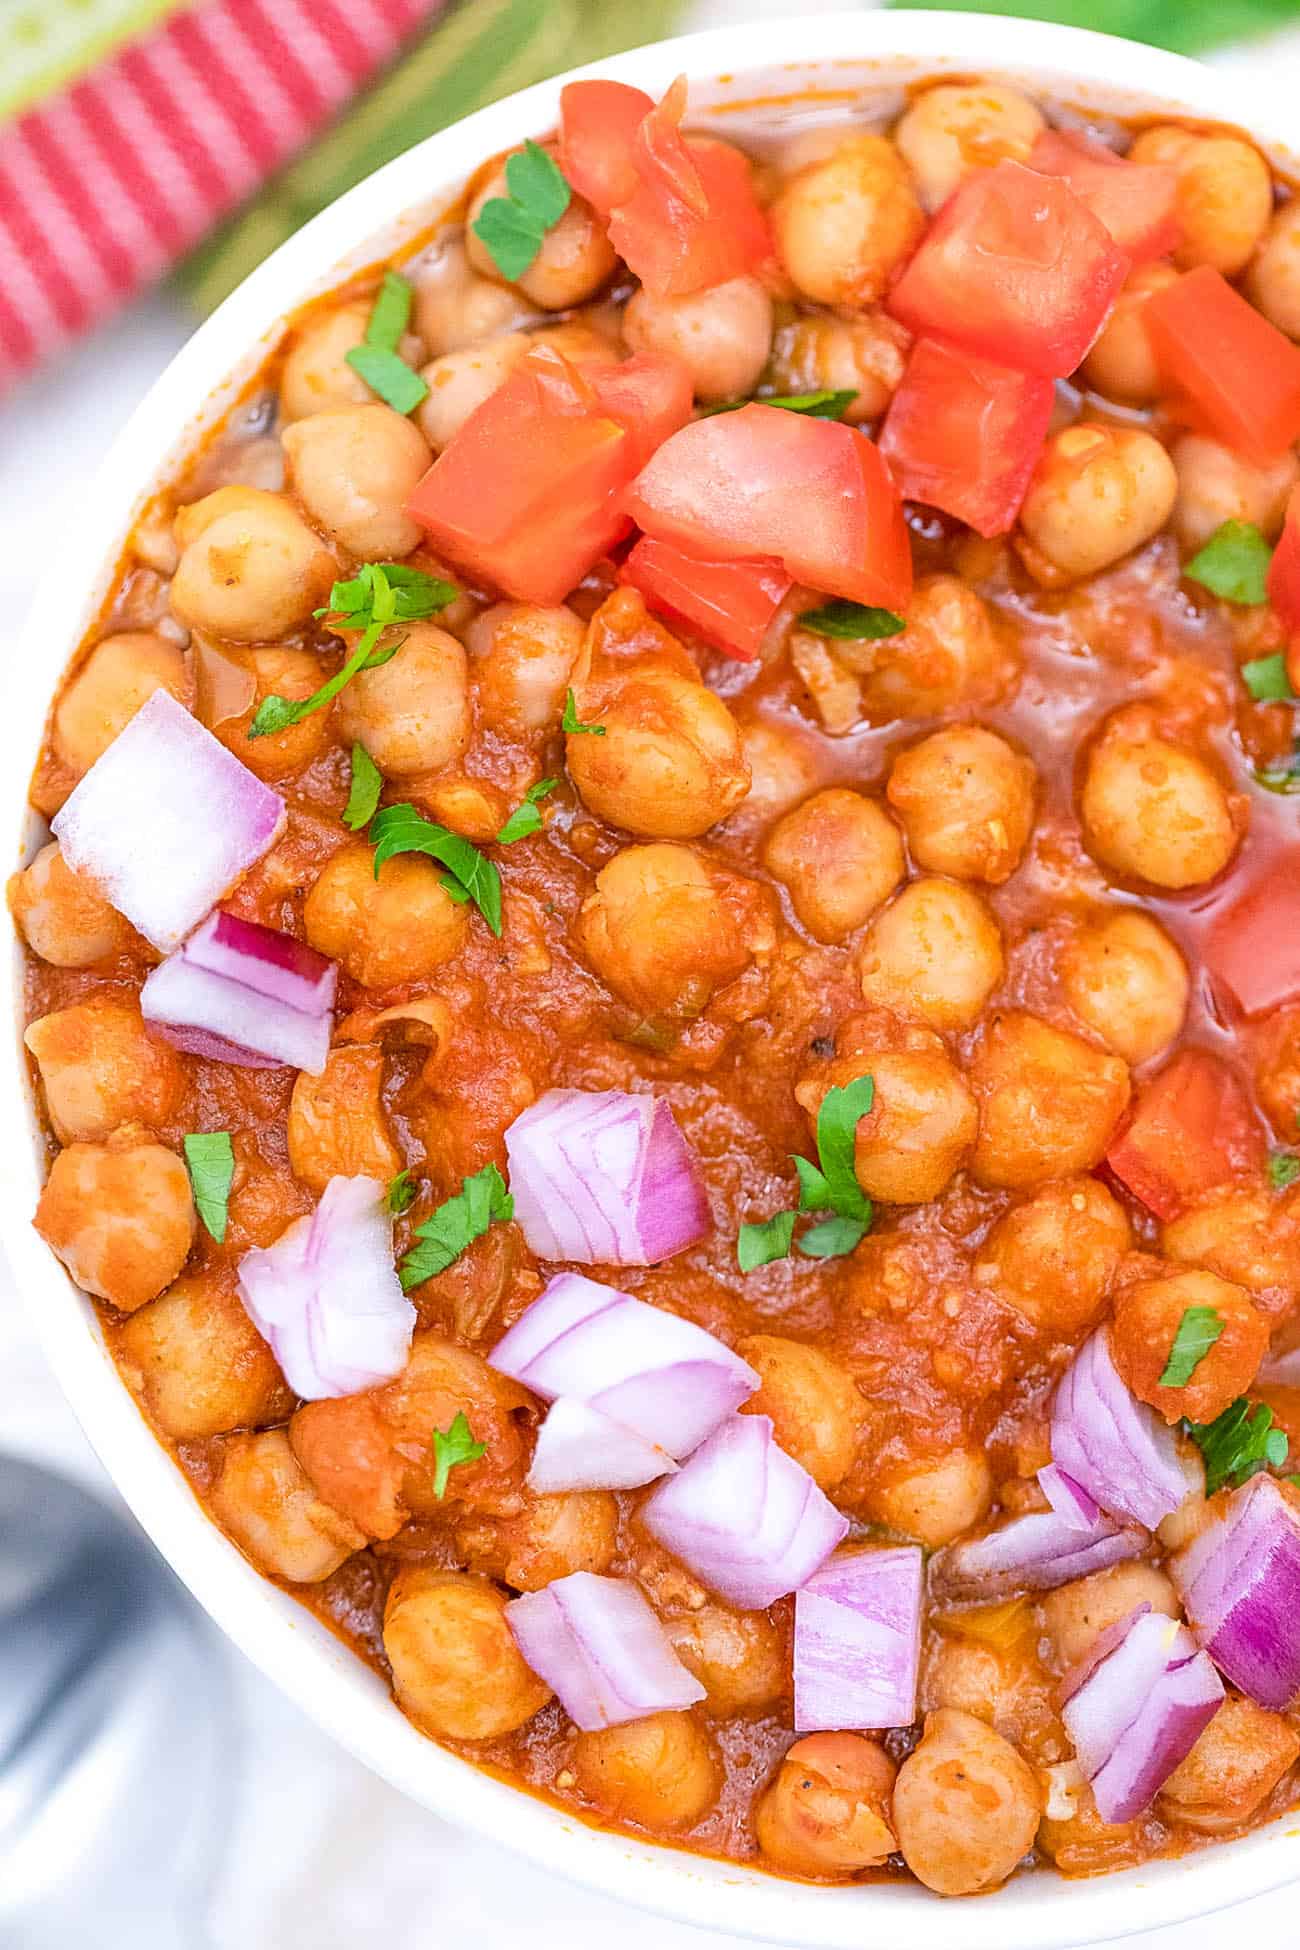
1253, 947
651, 396
727, 604
1233, 374
1284, 569
1193, 1128
598, 122
964, 435
1015, 269
764, 482
1135, 201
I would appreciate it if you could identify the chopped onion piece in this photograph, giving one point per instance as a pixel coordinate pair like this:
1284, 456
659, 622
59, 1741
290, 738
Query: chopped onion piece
745, 1517
601, 1650
604, 1178
1240, 1586
1069, 1499
327, 1297
1135, 1708
578, 1448
857, 1641
1033, 1553
665, 1379
166, 821
1113, 1445
240, 993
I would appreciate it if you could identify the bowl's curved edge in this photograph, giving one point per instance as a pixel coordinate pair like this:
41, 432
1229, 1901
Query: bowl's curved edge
316, 1670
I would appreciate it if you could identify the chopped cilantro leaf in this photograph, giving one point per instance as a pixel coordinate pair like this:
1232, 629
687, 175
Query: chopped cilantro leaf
1283, 1170
401, 1193
526, 818
210, 1161
452, 1447
511, 227
1233, 564
1198, 1330
829, 1186
377, 361
825, 405
390, 313
763, 1240
470, 874
363, 796
444, 1235
855, 622
1266, 680
833, 1237
1238, 1444
571, 722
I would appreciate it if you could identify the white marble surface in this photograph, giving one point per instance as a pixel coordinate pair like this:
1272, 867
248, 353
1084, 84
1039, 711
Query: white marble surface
324, 1857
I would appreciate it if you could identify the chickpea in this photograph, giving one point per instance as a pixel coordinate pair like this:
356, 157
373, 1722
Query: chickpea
831, 685
841, 856
1273, 276
523, 663
722, 336
739, 1657
120, 674
575, 259
581, 343
1246, 1236
278, 670
1097, 493
670, 764
1154, 811
63, 917
826, 1812
317, 376
459, 382
1004, 1685
1215, 485
1053, 1257
935, 954
814, 1404
1121, 365
199, 1365
1127, 982
1225, 194
354, 470
100, 1068
659, 931
844, 225
1075, 1615
337, 1125
959, 127
1145, 1325
662, 1772
263, 1499
950, 657
865, 356
1074, 1836
782, 767
921, 1125
551, 1537
966, 800
456, 1669
1235, 1765
966, 1805
119, 1216
1049, 1102
412, 713
250, 569
455, 308
398, 928
935, 1500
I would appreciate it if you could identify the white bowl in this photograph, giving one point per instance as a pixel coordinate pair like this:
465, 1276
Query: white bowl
851, 53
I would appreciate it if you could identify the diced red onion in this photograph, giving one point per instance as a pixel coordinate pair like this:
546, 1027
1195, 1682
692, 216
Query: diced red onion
327, 1297
1240, 1586
241, 993
578, 1448
857, 1641
604, 1178
1069, 1499
1135, 1708
601, 1650
1114, 1446
745, 1517
1033, 1553
166, 821
664, 1378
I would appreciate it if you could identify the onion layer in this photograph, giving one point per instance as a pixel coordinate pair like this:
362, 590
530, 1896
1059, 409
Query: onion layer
1240, 1586
578, 1448
601, 1650
1069, 1499
1114, 1446
240, 993
857, 1642
1033, 1553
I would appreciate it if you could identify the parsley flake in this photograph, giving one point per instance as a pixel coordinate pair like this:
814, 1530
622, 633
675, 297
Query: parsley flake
1198, 1330
1283, 1170
363, 795
571, 722
831, 1186
401, 1193
855, 622
456, 1223
1233, 564
451, 1448
511, 227
1238, 1444
377, 360
470, 875
825, 405
526, 818
1266, 680
764, 1240
1282, 779
210, 1161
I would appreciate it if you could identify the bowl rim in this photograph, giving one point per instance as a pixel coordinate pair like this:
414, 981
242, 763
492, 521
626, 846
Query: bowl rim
320, 1674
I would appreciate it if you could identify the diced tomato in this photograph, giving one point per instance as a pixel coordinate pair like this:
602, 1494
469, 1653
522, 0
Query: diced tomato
1193, 1128
651, 396
814, 493
1015, 269
1284, 569
1234, 375
1135, 201
598, 120
727, 604
964, 435
693, 220
1253, 948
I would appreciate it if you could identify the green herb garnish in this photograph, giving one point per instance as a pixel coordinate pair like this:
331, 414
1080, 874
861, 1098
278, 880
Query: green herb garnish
526, 818
363, 794
1283, 1170
855, 622
831, 1186
444, 1235
451, 1448
763, 1240
210, 1161
470, 875
377, 359
1238, 1444
1266, 680
1233, 564
1282, 779
1198, 1330
511, 228
401, 1193
573, 724
826, 405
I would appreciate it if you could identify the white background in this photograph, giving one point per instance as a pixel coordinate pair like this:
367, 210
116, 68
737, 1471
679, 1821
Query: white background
320, 1855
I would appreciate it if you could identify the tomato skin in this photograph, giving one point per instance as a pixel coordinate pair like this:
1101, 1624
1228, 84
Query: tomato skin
649, 395
964, 435
598, 123
1014, 269
729, 605
1284, 569
1135, 201
1193, 1128
1233, 374
1253, 948
765, 482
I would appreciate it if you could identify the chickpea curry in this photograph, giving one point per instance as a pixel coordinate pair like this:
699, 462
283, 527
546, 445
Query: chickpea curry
665, 985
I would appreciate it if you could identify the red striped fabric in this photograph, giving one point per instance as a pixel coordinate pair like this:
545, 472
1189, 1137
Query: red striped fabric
106, 184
